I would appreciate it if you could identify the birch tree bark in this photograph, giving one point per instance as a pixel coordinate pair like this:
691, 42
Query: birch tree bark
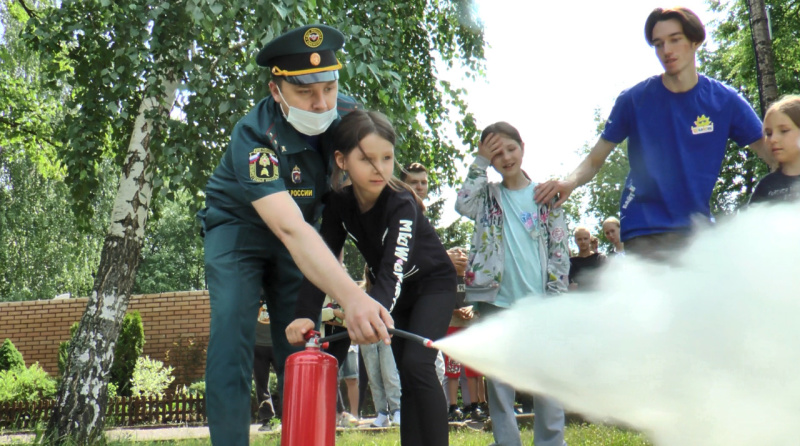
79, 416
762, 46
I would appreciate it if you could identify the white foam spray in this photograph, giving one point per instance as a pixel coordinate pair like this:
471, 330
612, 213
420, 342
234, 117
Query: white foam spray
704, 353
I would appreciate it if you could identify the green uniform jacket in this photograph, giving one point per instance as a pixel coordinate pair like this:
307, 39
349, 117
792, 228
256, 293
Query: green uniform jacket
267, 155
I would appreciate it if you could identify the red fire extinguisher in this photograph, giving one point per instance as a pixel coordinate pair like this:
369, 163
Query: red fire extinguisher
310, 387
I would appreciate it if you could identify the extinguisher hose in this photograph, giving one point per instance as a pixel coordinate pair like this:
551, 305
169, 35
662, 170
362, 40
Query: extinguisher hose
393, 331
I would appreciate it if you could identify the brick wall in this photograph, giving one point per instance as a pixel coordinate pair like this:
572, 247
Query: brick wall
171, 321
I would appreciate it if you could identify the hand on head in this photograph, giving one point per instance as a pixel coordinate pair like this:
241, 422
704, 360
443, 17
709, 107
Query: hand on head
489, 147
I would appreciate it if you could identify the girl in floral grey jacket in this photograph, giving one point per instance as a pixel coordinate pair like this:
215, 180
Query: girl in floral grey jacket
480, 200
495, 280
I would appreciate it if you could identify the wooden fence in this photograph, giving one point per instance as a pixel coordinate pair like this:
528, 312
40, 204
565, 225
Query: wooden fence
125, 411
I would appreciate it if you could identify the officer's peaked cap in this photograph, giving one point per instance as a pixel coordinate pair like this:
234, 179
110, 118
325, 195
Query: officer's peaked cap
304, 55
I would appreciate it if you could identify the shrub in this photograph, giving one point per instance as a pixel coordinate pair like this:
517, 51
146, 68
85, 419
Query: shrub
10, 357
198, 388
130, 345
150, 377
127, 351
112, 391
26, 384
63, 350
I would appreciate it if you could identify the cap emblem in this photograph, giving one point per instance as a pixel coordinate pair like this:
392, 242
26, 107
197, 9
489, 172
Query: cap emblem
315, 59
313, 37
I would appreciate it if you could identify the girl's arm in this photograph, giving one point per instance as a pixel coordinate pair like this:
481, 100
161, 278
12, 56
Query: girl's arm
310, 297
557, 250
366, 319
473, 192
398, 245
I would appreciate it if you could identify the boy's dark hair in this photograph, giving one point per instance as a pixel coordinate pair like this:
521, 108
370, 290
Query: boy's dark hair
502, 128
356, 126
693, 28
411, 168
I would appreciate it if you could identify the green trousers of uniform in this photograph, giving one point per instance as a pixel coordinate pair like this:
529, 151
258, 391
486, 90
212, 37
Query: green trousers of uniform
241, 259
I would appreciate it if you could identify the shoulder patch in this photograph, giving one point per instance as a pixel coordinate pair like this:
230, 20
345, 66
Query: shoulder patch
264, 165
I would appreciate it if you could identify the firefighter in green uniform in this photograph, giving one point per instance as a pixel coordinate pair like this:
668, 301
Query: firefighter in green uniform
261, 202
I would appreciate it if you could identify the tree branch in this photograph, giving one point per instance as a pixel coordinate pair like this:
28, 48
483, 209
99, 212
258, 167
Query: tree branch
19, 128
31, 12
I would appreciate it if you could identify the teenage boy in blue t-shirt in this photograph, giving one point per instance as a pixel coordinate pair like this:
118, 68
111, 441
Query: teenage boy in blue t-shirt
677, 125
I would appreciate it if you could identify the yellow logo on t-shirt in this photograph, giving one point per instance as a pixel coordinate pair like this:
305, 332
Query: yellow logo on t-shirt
702, 125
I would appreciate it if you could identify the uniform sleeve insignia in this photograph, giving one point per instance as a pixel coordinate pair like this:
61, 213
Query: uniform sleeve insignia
263, 165
296, 175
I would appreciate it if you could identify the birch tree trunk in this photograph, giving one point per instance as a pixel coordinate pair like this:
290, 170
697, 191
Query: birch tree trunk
79, 416
762, 46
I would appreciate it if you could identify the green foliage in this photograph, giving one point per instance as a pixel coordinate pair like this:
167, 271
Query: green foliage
457, 234
10, 357
63, 349
172, 255
27, 113
127, 351
35, 213
26, 384
198, 387
150, 377
33, 196
119, 53
112, 391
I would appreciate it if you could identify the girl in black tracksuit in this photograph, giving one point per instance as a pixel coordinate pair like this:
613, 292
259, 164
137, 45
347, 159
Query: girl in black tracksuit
410, 272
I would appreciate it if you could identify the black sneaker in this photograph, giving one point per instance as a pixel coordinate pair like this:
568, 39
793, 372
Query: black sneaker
455, 414
476, 414
484, 406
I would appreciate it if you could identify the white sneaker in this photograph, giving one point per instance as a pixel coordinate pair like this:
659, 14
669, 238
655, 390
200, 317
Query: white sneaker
382, 420
347, 420
396, 417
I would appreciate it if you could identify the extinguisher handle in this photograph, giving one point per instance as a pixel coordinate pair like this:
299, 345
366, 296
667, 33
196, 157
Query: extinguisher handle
394, 331
334, 337
412, 337
310, 334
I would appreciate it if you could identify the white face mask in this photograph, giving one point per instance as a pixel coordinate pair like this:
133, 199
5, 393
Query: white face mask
306, 122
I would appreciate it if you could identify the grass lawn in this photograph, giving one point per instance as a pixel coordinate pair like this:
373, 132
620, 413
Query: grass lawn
576, 435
